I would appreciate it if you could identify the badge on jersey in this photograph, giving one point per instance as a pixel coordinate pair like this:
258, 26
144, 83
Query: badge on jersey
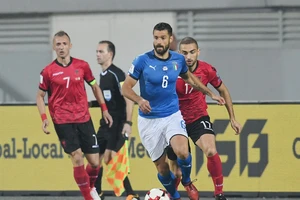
107, 95
175, 65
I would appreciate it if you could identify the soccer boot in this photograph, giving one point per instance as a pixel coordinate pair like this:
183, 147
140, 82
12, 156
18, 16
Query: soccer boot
220, 197
192, 191
94, 194
133, 197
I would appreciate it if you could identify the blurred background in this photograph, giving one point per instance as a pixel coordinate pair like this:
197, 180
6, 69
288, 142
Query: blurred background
254, 44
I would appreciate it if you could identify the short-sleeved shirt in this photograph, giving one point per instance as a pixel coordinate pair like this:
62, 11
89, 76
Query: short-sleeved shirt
67, 98
111, 81
157, 79
192, 102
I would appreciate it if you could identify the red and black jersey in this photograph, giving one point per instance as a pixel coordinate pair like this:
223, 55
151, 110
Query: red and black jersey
192, 102
67, 98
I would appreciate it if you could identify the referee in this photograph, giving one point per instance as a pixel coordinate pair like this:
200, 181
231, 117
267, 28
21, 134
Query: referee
111, 139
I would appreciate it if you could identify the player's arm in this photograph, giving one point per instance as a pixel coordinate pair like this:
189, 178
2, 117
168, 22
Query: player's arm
90, 79
129, 104
100, 99
40, 101
128, 123
42, 109
129, 109
43, 88
198, 85
98, 95
128, 92
224, 92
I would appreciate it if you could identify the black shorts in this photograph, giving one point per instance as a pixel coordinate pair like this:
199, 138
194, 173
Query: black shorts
194, 130
111, 137
199, 127
73, 136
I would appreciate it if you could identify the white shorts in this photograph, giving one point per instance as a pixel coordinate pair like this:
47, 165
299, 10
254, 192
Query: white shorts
156, 133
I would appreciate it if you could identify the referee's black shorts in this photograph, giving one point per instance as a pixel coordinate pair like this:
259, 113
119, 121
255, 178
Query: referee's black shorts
111, 138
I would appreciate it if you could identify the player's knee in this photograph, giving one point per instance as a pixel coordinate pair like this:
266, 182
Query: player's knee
77, 158
182, 152
210, 151
94, 163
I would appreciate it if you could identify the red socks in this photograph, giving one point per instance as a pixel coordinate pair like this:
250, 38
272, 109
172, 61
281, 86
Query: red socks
82, 179
93, 173
214, 167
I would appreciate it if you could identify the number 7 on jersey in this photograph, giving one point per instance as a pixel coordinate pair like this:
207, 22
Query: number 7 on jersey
68, 80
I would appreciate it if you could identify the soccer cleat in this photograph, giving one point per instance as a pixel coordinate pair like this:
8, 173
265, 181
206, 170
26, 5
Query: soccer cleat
133, 197
177, 181
192, 191
220, 197
94, 194
101, 195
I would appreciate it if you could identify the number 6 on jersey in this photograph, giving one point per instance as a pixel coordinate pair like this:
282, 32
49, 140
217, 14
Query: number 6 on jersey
164, 83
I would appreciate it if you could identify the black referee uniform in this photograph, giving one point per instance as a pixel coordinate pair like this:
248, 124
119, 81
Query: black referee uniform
110, 83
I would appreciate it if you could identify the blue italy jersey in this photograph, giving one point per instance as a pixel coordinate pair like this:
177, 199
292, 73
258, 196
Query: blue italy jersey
157, 79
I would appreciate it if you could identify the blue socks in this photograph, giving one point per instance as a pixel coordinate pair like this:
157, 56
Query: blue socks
185, 166
168, 182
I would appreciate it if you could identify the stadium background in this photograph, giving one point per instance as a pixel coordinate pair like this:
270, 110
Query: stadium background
255, 46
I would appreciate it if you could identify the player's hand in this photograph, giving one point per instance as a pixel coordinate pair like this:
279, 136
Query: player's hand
45, 125
220, 100
144, 106
126, 130
107, 117
236, 126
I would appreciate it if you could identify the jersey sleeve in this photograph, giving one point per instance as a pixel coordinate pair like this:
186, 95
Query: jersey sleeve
44, 80
136, 68
88, 75
184, 67
120, 78
213, 77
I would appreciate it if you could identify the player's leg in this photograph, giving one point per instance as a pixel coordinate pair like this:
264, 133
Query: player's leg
69, 140
102, 137
153, 139
204, 137
173, 165
90, 147
177, 135
98, 182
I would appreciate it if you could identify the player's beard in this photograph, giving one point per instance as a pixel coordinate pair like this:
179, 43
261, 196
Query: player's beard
191, 64
162, 49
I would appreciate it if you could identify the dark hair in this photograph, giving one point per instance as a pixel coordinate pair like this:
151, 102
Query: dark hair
188, 40
163, 26
62, 33
110, 47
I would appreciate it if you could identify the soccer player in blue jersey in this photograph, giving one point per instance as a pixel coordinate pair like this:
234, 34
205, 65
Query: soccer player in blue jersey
160, 122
